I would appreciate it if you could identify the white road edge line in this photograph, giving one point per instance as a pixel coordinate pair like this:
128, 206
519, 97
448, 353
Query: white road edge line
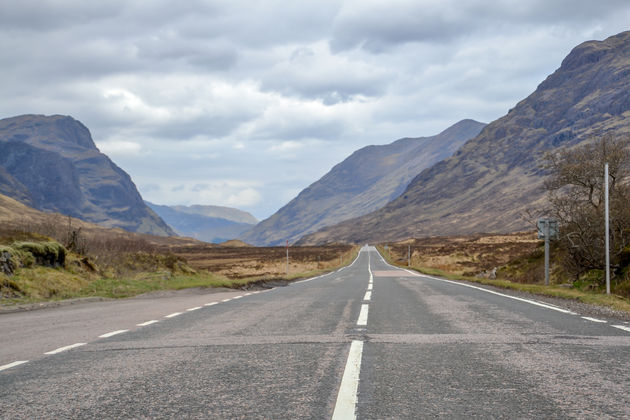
237, 297
144, 324
13, 364
345, 407
369, 286
210, 303
174, 314
193, 309
60, 349
110, 334
363, 315
226, 300
532, 302
622, 327
588, 318
368, 295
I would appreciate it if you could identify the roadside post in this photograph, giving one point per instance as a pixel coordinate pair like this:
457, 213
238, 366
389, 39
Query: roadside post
547, 229
607, 228
408, 255
287, 258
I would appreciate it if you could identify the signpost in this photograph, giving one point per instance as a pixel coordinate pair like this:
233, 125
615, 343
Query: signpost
547, 229
607, 228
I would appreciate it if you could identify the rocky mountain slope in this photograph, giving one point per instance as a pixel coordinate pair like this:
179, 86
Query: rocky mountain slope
363, 182
488, 183
214, 224
51, 164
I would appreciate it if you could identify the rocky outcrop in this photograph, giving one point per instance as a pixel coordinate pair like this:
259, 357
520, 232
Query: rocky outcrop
52, 164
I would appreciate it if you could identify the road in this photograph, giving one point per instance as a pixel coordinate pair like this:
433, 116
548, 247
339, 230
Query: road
369, 340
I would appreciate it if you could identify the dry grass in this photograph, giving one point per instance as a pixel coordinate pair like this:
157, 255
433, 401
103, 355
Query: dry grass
517, 257
464, 255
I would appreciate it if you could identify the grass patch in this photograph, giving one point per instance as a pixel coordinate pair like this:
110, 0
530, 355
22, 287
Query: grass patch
590, 297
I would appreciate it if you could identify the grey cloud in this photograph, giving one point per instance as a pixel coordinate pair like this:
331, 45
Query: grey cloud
379, 27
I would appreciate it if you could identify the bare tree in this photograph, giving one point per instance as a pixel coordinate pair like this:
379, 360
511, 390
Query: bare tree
576, 195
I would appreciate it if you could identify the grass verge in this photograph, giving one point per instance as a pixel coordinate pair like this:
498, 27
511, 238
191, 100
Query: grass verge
615, 302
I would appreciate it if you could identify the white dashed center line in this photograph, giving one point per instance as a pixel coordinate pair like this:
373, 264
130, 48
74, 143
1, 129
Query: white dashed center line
368, 295
144, 324
60, 349
211, 304
363, 315
174, 314
10, 365
110, 334
193, 309
345, 406
226, 300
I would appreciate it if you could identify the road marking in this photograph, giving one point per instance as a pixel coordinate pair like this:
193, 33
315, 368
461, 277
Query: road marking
532, 302
237, 297
345, 407
247, 294
588, 318
369, 286
109, 334
226, 300
193, 309
10, 365
174, 314
211, 303
622, 327
144, 324
363, 315
60, 349
368, 295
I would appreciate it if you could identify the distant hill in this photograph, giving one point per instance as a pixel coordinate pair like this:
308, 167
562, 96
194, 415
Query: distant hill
486, 185
214, 224
363, 182
51, 163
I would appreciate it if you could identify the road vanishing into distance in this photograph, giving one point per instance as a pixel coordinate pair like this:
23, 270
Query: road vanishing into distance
369, 340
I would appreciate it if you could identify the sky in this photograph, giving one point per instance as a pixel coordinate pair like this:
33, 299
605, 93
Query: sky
246, 103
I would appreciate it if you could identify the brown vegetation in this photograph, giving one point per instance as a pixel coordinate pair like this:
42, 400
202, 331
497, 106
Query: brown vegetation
464, 255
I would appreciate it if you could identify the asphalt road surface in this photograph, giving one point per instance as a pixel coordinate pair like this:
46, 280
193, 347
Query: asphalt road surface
369, 341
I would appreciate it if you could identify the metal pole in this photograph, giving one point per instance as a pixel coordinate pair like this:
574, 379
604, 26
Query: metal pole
607, 228
546, 252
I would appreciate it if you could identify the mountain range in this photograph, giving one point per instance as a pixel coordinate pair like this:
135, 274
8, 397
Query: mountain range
51, 163
214, 224
488, 183
365, 181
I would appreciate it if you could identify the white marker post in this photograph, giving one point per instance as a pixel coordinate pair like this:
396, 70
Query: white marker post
547, 229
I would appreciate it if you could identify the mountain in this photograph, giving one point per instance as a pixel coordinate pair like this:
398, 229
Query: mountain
488, 183
363, 182
51, 163
214, 224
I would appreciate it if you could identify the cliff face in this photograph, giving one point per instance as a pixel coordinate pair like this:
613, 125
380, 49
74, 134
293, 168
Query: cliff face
363, 182
51, 163
488, 183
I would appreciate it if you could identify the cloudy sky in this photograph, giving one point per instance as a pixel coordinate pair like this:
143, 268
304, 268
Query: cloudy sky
245, 103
